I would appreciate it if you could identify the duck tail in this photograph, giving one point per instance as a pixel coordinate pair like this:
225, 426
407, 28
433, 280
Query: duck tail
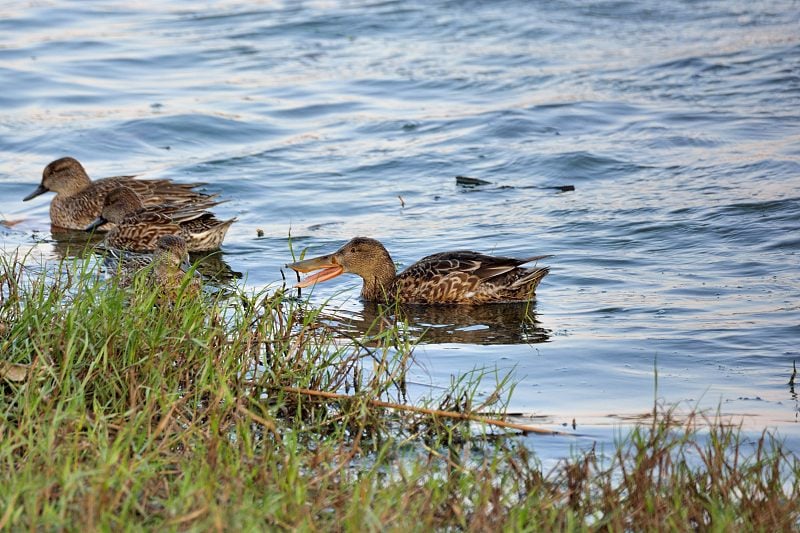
530, 279
534, 258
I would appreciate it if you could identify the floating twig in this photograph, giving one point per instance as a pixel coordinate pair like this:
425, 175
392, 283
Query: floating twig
10, 223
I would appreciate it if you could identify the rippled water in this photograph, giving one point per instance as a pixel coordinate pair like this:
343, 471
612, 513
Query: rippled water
676, 122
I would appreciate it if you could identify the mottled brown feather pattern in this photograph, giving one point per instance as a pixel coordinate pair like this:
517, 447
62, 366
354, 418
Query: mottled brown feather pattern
458, 277
165, 264
79, 200
467, 277
139, 227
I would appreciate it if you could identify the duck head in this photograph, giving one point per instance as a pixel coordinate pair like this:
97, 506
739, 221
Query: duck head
62, 176
117, 204
361, 256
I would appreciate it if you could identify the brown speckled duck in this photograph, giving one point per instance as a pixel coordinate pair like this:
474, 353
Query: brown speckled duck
138, 227
79, 200
459, 277
170, 262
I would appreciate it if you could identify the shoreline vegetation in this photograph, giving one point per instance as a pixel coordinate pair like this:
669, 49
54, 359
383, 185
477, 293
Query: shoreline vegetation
122, 409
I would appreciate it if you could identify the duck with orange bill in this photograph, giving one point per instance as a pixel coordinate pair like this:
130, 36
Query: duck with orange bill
458, 277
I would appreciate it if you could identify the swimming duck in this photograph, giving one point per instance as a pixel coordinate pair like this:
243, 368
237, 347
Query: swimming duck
138, 227
170, 262
459, 277
79, 200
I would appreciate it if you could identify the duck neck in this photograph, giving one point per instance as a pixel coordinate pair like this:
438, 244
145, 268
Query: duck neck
379, 283
77, 181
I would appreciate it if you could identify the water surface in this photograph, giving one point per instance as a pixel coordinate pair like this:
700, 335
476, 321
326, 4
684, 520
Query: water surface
676, 122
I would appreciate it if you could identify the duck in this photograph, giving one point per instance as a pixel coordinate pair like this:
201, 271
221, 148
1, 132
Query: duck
138, 227
169, 262
447, 278
79, 200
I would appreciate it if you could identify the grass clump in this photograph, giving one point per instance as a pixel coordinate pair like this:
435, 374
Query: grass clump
135, 412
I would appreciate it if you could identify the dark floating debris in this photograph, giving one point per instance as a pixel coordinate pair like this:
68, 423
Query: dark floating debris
559, 188
466, 181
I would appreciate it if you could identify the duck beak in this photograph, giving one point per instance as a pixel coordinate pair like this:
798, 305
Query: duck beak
41, 189
185, 265
99, 221
327, 263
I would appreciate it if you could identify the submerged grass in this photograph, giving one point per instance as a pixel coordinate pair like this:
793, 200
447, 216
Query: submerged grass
133, 412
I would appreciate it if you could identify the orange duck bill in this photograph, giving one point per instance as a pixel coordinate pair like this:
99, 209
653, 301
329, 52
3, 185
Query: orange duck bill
328, 265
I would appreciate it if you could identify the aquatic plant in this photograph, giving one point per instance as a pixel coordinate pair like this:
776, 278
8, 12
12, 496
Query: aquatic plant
118, 410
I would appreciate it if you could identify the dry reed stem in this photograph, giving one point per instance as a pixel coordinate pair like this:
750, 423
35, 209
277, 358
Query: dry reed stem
427, 411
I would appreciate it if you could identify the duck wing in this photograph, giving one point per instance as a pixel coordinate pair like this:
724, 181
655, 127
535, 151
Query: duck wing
464, 261
139, 232
466, 277
172, 213
154, 191
150, 216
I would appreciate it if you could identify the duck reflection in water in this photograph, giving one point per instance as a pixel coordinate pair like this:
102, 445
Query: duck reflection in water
512, 323
459, 296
